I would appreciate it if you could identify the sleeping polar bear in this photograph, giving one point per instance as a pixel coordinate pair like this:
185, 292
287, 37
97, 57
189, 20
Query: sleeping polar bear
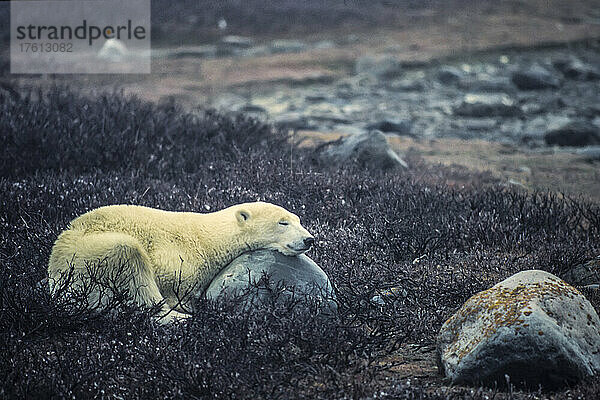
154, 255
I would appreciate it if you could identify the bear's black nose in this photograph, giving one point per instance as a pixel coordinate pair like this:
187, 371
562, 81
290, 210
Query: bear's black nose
309, 241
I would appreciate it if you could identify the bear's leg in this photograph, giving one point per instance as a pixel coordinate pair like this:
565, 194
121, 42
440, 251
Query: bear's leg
115, 263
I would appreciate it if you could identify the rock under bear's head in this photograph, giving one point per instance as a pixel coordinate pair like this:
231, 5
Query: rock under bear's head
273, 227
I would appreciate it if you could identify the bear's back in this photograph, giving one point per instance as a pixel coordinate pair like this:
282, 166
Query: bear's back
144, 223
109, 218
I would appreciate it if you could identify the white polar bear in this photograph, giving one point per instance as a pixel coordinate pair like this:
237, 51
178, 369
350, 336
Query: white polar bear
154, 256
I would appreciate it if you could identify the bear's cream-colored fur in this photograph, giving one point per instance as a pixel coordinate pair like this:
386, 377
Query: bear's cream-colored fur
156, 255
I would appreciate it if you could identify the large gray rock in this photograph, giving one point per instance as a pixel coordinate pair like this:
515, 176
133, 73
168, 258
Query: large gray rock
369, 149
533, 327
256, 274
575, 133
535, 77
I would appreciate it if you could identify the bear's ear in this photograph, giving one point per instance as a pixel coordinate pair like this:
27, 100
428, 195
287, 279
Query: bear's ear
242, 216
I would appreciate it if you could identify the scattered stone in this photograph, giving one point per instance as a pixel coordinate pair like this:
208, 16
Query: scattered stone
479, 106
324, 45
295, 123
399, 127
381, 67
206, 51
533, 327
237, 42
260, 275
449, 75
315, 98
113, 50
538, 126
369, 149
252, 108
490, 84
533, 109
390, 295
479, 124
326, 112
407, 85
347, 129
525, 169
590, 111
351, 39
575, 133
313, 78
230, 102
516, 183
535, 77
233, 45
287, 46
544, 105
345, 94
590, 153
574, 68
584, 274
333, 117
254, 111
492, 107
254, 51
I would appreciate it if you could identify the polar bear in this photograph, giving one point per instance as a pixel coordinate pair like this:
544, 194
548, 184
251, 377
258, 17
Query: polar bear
153, 256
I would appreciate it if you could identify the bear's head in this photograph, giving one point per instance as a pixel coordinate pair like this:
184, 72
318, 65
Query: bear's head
272, 227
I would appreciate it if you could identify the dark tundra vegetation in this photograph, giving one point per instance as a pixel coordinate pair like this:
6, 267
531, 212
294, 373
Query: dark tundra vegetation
62, 154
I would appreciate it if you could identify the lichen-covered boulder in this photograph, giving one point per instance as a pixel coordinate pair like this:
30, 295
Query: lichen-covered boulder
263, 275
533, 327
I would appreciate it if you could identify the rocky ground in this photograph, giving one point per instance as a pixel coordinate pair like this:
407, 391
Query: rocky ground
511, 97
529, 115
